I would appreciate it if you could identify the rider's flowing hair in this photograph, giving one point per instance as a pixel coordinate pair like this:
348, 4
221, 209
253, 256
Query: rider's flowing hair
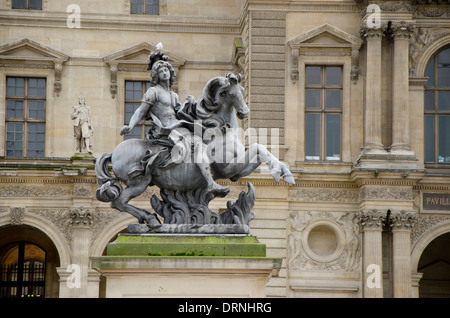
154, 73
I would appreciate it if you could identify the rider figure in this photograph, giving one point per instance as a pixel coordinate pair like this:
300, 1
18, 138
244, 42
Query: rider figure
161, 104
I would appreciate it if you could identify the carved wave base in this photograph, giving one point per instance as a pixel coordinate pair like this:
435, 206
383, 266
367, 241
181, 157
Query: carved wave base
189, 210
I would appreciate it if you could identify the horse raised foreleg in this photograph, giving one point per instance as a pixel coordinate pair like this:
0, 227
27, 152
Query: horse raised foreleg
134, 189
257, 154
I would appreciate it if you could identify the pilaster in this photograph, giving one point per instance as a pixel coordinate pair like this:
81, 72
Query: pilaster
401, 223
81, 221
372, 225
401, 35
372, 119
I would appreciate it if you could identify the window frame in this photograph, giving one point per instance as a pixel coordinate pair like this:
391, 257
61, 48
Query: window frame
323, 111
21, 271
27, 5
144, 124
25, 120
144, 8
435, 112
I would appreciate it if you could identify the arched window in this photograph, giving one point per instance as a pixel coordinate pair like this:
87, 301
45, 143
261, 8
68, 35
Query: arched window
437, 108
22, 270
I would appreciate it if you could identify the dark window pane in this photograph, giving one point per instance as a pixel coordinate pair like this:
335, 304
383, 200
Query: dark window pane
130, 108
133, 90
19, 4
333, 137
444, 100
312, 136
36, 140
313, 75
312, 98
429, 100
444, 139
137, 6
333, 75
152, 7
15, 86
35, 4
14, 139
444, 68
36, 87
333, 99
135, 133
14, 109
36, 109
429, 72
429, 139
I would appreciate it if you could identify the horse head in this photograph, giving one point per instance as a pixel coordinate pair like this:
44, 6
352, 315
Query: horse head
223, 93
234, 95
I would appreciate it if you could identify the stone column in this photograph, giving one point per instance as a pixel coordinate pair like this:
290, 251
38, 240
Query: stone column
401, 223
372, 119
81, 240
401, 35
372, 224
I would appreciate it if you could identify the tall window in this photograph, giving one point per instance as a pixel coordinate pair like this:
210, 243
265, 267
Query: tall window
437, 108
27, 4
134, 90
323, 110
22, 270
145, 6
25, 117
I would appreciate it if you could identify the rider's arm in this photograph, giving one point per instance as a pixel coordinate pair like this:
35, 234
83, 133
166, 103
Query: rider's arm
140, 113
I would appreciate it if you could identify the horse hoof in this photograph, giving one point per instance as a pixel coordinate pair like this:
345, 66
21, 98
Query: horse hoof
219, 191
289, 179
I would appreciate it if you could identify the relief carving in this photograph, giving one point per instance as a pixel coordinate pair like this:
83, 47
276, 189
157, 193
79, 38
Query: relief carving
424, 223
17, 215
324, 195
25, 191
346, 256
419, 40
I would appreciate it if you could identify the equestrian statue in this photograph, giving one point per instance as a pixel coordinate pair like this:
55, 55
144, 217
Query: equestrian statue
187, 148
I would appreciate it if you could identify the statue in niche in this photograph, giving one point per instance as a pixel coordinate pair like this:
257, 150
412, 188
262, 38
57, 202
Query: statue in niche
82, 126
187, 148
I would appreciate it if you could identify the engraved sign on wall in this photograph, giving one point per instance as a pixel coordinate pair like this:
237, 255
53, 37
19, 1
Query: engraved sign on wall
436, 201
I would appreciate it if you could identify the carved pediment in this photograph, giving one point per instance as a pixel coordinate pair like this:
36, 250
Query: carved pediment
325, 40
134, 59
27, 49
29, 54
326, 36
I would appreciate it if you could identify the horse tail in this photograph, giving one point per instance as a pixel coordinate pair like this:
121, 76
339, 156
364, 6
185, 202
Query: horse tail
109, 188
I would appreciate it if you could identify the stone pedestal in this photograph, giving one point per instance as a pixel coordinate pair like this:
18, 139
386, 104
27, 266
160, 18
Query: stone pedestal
186, 265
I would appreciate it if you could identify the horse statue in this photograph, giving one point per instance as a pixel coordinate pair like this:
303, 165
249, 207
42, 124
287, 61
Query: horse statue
184, 190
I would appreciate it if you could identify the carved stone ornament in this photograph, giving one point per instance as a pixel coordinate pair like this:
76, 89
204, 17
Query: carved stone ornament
36, 56
372, 219
81, 216
315, 43
401, 220
341, 236
17, 215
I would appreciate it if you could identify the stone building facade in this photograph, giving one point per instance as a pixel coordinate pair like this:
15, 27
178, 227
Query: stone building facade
353, 95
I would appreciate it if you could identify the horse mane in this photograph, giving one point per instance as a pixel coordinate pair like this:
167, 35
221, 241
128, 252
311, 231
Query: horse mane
205, 108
